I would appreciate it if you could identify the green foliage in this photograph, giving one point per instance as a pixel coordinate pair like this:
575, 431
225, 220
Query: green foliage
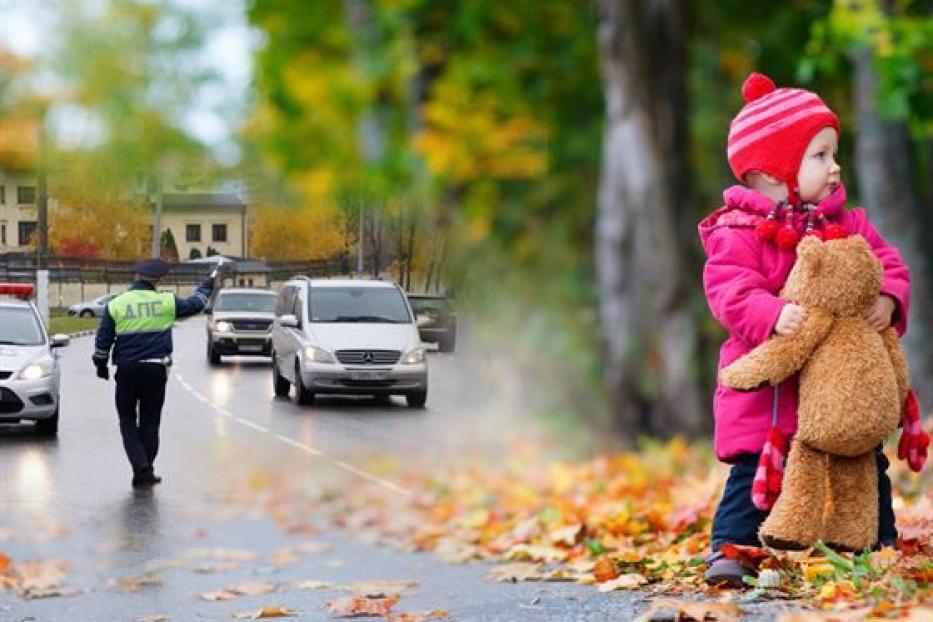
899, 35
130, 68
488, 113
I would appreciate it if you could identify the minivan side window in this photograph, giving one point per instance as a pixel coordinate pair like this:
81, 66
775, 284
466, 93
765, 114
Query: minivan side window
286, 301
297, 311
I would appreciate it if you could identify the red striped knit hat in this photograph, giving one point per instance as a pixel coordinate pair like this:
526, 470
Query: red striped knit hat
773, 129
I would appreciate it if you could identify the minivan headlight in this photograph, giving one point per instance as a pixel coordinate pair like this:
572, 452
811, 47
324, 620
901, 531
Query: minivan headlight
223, 327
413, 357
317, 355
42, 368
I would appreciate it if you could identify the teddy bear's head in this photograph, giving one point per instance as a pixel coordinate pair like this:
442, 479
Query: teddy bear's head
842, 276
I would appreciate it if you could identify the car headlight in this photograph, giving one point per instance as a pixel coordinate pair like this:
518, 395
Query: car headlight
415, 356
317, 355
223, 327
40, 369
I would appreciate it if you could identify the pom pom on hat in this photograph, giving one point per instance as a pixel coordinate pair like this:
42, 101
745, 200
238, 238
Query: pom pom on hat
756, 85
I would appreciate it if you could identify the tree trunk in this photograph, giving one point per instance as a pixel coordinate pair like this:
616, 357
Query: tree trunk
649, 340
375, 240
884, 157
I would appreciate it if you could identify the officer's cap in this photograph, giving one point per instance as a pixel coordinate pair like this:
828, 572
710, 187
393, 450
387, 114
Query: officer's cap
152, 268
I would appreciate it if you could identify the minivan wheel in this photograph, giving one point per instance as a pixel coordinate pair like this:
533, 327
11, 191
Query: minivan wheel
280, 383
417, 399
212, 356
302, 394
49, 426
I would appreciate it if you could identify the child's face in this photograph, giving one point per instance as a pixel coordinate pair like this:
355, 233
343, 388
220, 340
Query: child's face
819, 175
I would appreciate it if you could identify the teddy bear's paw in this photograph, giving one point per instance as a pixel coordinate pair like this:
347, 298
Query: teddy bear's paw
786, 531
740, 380
782, 543
845, 547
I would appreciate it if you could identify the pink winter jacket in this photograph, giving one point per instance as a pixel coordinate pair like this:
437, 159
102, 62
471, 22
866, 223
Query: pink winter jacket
742, 278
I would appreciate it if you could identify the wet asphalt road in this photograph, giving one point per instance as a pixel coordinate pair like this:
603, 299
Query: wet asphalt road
70, 498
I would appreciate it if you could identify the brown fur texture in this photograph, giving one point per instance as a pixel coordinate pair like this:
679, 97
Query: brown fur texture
853, 381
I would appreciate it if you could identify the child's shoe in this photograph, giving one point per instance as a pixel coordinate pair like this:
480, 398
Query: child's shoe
725, 572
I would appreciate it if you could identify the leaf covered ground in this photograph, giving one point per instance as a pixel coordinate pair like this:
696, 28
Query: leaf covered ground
628, 521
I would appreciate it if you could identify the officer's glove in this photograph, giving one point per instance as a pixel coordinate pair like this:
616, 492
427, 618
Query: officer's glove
103, 372
211, 282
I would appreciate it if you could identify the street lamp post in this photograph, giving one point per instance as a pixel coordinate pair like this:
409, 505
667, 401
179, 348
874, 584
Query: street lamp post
359, 253
42, 243
157, 220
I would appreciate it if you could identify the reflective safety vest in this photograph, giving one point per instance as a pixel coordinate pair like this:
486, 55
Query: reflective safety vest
142, 311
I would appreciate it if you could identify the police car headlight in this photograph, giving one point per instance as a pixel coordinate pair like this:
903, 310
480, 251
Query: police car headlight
37, 370
317, 355
413, 357
223, 327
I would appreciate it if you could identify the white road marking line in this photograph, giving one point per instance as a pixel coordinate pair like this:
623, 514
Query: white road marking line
302, 446
250, 424
306, 448
376, 480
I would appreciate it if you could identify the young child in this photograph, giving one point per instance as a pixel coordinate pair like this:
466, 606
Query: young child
782, 146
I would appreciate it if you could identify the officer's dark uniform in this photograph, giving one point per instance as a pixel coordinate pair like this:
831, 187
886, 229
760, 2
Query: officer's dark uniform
138, 323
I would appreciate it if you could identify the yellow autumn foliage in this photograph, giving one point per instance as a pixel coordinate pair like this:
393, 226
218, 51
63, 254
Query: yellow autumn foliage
290, 233
92, 217
466, 138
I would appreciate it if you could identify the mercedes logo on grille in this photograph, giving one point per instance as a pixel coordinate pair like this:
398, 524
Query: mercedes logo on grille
367, 357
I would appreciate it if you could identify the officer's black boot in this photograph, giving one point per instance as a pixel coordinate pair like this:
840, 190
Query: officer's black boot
145, 477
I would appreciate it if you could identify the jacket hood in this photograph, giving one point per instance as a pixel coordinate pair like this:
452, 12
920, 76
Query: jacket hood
744, 207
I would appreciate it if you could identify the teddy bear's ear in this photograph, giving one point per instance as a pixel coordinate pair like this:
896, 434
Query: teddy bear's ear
810, 253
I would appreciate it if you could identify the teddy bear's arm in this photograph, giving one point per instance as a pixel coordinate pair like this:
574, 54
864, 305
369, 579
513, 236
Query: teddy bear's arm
896, 352
780, 357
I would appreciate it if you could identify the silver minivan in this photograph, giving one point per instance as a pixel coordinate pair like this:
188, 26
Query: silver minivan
347, 336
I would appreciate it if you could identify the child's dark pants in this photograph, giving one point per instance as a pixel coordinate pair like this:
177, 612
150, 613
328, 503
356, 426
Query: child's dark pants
737, 519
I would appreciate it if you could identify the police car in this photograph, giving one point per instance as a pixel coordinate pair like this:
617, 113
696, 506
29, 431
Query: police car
29, 362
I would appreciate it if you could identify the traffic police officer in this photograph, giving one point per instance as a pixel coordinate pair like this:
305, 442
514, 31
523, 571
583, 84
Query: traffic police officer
138, 324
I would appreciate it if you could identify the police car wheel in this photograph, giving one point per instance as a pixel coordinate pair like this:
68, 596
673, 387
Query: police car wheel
48, 426
280, 383
302, 394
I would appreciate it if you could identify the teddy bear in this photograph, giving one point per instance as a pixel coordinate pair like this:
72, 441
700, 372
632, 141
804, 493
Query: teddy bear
853, 383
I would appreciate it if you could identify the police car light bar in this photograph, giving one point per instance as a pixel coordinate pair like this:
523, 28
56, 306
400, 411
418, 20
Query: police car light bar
20, 290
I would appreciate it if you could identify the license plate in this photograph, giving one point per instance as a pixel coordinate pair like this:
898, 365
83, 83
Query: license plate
249, 348
367, 375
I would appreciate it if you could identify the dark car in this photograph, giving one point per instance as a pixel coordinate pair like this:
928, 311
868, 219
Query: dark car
241, 323
437, 322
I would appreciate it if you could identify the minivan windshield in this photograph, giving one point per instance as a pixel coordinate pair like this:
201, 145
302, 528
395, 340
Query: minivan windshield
19, 326
264, 303
359, 304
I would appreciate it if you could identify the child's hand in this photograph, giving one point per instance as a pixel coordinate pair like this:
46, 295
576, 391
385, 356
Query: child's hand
879, 316
790, 320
